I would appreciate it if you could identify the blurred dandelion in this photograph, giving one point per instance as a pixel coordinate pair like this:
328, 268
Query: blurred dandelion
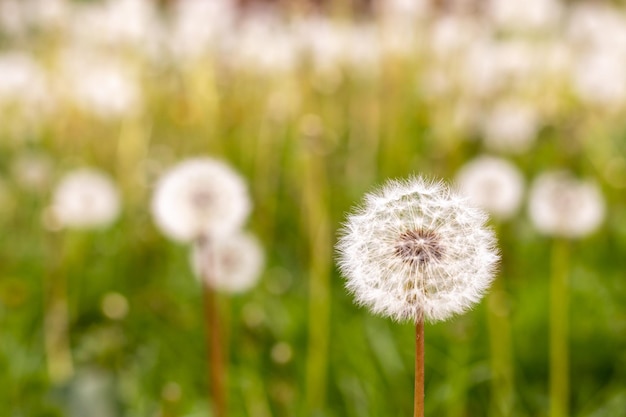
101, 86
86, 198
564, 207
235, 262
200, 197
511, 127
417, 250
32, 171
560, 205
494, 184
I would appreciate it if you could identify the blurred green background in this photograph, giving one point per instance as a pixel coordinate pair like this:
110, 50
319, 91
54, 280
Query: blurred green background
314, 110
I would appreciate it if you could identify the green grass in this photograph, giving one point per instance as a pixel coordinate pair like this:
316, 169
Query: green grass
345, 361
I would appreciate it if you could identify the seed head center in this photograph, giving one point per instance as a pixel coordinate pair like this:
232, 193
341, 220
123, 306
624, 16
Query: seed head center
202, 199
419, 247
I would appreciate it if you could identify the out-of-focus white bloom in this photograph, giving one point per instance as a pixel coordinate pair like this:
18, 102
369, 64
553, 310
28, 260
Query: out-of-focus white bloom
511, 127
403, 11
85, 198
23, 82
561, 205
490, 65
599, 78
200, 197
596, 25
198, 25
114, 22
493, 184
104, 87
265, 45
32, 171
231, 264
417, 249
530, 15
451, 34
47, 14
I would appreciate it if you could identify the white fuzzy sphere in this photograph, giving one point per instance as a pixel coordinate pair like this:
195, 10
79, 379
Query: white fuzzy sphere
511, 127
85, 198
416, 249
232, 264
200, 197
561, 205
494, 184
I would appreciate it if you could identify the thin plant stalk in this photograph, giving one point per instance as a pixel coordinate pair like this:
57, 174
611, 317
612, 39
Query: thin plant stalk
216, 364
56, 341
499, 325
317, 226
418, 409
56, 327
559, 329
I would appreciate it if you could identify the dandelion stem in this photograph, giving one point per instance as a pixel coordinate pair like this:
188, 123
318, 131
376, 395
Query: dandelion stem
217, 374
501, 351
418, 410
559, 352
56, 327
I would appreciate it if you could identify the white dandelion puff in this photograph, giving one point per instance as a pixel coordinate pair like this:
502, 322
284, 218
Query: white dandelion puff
85, 198
494, 184
231, 265
416, 249
511, 127
561, 205
200, 197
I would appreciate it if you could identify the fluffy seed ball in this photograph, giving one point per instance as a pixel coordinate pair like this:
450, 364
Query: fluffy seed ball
494, 184
231, 265
85, 199
561, 205
417, 249
200, 197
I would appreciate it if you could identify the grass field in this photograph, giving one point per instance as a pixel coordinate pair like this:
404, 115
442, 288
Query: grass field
313, 115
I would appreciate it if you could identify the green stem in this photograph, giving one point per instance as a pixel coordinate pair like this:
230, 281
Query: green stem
56, 326
318, 229
559, 350
502, 374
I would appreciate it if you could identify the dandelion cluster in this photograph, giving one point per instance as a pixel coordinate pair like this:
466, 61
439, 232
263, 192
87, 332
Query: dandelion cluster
203, 201
416, 249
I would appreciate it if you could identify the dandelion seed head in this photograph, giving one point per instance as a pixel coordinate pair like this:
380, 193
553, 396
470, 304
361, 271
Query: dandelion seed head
198, 197
561, 205
416, 249
85, 198
233, 264
511, 127
494, 184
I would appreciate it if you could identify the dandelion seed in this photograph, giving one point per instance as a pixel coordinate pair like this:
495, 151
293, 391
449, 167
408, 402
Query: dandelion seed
231, 265
494, 184
200, 197
85, 198
415, 250
561, 205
